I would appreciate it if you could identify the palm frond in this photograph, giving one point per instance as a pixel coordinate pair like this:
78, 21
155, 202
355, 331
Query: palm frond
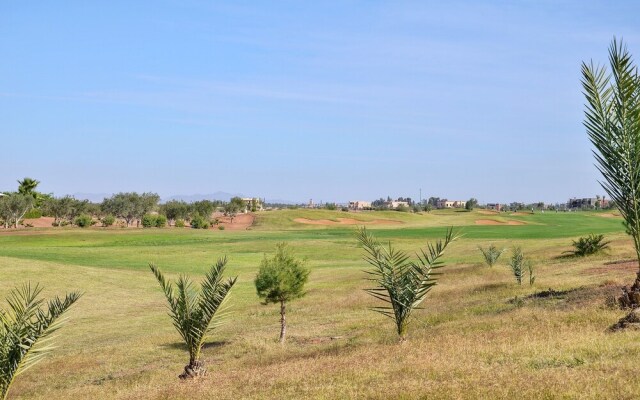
26, 329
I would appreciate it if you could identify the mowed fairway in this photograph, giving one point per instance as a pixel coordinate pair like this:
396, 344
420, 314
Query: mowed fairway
471, 340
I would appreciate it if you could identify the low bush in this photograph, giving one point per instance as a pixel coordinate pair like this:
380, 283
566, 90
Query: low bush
161, 221
149, 221
586, 246
179, 223
83, 220
221, 227
199, 222
108, 220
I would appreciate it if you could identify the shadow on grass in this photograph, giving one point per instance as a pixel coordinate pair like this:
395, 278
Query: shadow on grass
581, 296
182, 346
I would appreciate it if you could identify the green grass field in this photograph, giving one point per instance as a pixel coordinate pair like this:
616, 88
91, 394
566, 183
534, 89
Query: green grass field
471, 341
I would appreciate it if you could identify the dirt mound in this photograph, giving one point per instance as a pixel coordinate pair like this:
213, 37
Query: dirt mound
630, 321
494, 222
345, 221
240, 222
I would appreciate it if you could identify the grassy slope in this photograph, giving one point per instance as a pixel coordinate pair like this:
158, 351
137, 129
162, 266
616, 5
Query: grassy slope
470, 342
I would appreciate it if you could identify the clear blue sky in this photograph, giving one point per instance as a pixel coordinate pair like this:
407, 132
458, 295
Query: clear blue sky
296, 100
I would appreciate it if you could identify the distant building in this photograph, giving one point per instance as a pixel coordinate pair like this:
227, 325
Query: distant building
393, 204
444, 203
251, 203
359, 205
586, 202
494, 206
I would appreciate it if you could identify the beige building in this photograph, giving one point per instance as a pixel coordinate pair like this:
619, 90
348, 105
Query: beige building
395, 204
451, 203
252, 202
359, 204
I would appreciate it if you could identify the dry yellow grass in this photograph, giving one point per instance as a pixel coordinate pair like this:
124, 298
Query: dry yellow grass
472, 341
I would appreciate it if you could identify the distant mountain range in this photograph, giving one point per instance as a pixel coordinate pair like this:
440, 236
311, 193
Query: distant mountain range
221, 196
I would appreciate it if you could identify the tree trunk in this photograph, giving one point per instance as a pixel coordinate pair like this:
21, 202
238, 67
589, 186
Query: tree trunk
283, 321
194, 369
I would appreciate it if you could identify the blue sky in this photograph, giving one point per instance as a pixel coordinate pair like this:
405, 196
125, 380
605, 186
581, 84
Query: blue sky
296, 100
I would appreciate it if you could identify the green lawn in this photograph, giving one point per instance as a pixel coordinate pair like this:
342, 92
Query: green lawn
471, 341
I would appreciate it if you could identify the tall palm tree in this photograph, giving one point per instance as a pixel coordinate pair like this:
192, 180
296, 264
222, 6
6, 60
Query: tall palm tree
28, 186
612, 121
25, 329
193, 311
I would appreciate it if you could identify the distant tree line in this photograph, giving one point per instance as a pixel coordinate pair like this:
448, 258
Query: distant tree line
130, 208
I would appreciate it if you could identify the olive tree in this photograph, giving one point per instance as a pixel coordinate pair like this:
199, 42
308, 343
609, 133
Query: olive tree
13, 207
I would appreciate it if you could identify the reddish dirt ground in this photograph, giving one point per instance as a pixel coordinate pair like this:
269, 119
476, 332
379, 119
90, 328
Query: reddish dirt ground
43, 222
240, 222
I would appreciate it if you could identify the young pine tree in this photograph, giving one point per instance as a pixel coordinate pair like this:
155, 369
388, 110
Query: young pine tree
281, 278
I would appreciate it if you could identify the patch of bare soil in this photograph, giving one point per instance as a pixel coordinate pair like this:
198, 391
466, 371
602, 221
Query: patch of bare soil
520, 213
240, 223
345, 221
42, 222
494, 222
572, 298
621, 265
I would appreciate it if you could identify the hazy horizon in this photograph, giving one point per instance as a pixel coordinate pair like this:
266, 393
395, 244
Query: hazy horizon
332, 102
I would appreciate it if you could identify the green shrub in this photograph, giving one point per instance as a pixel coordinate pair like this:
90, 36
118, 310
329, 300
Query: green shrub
161, 221
199, 222
586, 246
179, 223
149, 221
33, 214
221, 227
83, 220
108, 220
